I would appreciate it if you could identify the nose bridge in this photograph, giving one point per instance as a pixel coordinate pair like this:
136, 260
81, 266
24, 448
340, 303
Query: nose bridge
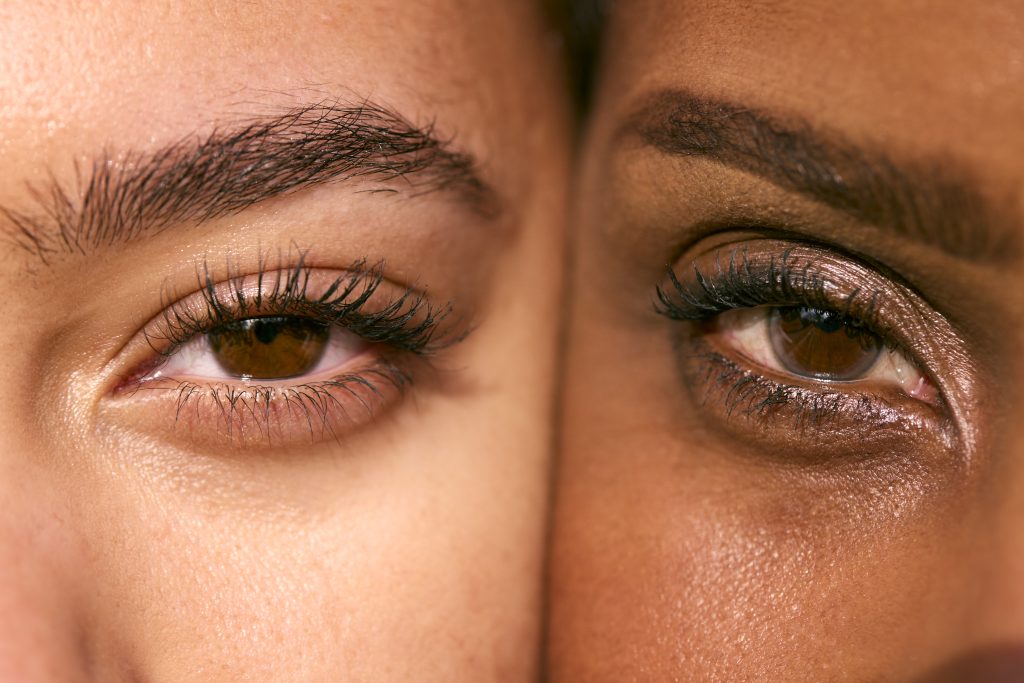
39, 638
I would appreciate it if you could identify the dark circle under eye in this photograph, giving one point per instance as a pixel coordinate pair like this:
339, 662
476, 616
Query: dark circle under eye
821, 344
269, 348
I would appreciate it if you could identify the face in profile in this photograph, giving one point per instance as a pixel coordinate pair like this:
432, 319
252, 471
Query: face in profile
790, 448
280, 285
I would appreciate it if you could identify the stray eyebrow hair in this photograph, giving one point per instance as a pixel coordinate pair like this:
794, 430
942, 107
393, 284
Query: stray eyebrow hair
196, 179
929, 201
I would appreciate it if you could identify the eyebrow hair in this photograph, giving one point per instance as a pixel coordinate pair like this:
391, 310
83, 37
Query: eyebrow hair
927, 200
199, 178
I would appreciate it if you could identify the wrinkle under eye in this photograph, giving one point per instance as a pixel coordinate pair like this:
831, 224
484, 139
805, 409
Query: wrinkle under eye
267, 348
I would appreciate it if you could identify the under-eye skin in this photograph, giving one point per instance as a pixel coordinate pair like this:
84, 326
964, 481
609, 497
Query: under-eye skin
788, 345
284, 355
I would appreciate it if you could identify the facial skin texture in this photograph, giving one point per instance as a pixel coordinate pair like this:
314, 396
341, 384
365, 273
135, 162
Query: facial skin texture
705, 529
406, 547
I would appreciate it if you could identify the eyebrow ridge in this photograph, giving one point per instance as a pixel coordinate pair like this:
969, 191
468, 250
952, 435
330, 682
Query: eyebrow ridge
930, 201
196, 179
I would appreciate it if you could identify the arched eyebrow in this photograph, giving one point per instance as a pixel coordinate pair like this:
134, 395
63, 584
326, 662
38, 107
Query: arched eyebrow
927, 200
122, 197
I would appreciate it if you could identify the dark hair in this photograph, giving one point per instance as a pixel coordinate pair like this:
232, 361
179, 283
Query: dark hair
579, 22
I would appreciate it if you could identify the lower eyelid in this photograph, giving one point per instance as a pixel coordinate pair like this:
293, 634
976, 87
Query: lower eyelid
795, 422
248, 416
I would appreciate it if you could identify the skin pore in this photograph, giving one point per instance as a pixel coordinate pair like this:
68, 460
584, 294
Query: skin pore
729, 505
365, 500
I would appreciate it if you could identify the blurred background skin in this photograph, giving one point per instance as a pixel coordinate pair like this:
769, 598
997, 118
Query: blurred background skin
687, 549
408, 550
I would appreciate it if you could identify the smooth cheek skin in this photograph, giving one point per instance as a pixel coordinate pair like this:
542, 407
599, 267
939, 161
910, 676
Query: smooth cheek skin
682, 553
409, 550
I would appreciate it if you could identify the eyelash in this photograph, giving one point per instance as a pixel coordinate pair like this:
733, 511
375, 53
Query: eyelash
404, 329
314, 401
750, 393
737, 283
408, 322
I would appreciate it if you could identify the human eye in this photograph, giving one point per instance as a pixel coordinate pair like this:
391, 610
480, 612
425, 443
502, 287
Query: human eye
284, 355
793, 344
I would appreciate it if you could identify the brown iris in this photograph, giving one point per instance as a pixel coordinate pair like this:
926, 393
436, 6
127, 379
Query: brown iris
269, 348
822, 344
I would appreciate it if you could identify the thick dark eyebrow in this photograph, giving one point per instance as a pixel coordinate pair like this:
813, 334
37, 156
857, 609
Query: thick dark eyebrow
930, 200
121, 197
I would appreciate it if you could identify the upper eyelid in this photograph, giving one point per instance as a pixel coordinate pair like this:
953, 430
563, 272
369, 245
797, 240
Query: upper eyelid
301, 290
140, 352
739, 284
738, 230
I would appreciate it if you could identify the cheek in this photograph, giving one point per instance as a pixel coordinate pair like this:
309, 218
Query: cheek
219, 588
676, 561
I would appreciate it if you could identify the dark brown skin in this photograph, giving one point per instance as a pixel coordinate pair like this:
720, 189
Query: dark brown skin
701, 536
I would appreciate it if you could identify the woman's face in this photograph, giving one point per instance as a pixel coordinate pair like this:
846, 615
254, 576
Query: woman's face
790, 449
279, 290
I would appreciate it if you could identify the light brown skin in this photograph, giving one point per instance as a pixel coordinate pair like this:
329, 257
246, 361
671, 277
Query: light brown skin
407, 549
689, 544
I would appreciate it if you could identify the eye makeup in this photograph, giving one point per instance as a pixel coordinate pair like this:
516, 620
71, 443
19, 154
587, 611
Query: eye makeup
286, 354
787, 345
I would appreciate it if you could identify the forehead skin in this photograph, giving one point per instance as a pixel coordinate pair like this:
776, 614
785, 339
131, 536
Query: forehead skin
156, 71
875, 69
413, 555
669, 565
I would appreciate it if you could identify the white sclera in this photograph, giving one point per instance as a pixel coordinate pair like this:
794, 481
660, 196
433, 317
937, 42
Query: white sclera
747, 332
195, 360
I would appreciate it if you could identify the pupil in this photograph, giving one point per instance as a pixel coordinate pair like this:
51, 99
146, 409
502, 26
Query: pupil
821, 344
269, 348
826, 321
265, 330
